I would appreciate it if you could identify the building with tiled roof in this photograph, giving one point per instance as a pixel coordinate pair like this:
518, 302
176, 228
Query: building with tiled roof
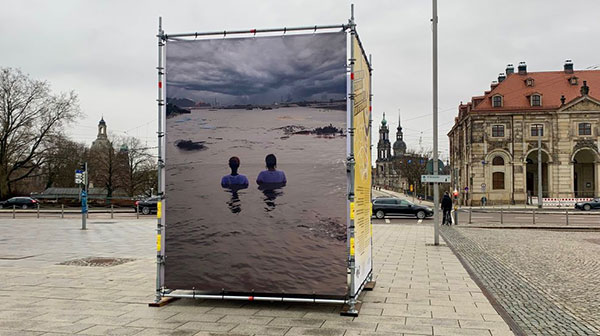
494, 140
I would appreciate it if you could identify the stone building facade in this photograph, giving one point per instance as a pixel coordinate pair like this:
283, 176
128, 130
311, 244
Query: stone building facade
494, 141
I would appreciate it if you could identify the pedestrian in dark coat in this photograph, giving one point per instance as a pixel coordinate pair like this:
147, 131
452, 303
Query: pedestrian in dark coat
447, 208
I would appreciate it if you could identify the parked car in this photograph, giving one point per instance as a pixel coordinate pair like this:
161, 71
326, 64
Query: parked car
589, 205
148, 205
19, 202
395, 206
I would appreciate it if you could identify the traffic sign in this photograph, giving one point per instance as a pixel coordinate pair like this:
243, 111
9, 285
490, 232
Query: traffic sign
435, 178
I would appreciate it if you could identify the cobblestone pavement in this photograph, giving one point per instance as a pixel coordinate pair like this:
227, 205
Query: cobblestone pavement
421, 289
547, 281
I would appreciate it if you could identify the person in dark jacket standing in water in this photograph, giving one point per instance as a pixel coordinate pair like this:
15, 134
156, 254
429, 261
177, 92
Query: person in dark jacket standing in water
447, 207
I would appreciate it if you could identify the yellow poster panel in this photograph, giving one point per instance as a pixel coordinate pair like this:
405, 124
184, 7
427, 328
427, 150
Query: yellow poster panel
362, 168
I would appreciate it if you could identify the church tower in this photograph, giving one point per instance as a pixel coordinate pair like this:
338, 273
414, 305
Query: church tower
102, 136
399, 144
384, 146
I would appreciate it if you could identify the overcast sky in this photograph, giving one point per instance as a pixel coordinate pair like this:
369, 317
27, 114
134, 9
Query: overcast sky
106, 50
262, 70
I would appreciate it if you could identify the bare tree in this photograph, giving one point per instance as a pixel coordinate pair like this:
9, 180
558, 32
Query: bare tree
30, 114
103, 168
63, 158
138, 166
411, 166
123, 164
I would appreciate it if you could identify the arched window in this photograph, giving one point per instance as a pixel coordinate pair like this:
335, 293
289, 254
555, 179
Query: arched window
498, 180
498, 161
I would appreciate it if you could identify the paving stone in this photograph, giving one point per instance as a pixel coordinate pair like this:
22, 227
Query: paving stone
111, 330
543, 288
297, 331
249, 329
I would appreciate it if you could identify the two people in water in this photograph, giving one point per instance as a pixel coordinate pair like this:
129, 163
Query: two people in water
271, 175
269, 182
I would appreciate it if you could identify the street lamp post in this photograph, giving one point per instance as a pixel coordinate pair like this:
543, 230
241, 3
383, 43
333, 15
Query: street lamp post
436, 191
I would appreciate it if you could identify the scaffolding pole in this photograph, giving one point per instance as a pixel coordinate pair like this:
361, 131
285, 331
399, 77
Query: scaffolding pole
253, 298
160, 167
224, 33
350, 162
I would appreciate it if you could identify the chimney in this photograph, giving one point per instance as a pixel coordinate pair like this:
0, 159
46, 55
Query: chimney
510, 69
522, 68
501, 77
569, 66
585, 90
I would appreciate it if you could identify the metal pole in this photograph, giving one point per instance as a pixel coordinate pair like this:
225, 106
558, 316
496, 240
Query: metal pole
470, 213
13, 211
567, 215
501, 216
540, 191
62, 211
112, 209
137, 211
160, 134
255, 31
38, 210
350, 164
533, 216
84, 207
370, 149
436, 191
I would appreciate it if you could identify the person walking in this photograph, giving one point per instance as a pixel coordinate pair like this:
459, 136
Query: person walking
447, 208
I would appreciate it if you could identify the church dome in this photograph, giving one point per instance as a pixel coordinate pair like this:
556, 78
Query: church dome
399, 147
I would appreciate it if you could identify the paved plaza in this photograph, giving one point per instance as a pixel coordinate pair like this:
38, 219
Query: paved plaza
421, 289
547, 281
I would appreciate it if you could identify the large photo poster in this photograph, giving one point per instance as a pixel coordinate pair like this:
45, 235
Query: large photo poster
255, 165
362, 168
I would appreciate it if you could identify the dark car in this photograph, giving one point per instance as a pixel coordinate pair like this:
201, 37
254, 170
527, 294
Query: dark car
394, 206
148, 205
589, 205
20, 202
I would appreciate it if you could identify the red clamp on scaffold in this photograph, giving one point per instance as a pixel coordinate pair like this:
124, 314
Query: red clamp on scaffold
160, 85
352, 75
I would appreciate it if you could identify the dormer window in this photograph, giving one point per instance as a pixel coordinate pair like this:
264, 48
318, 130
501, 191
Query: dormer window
536, 100
573, 80
497, 101
529, 82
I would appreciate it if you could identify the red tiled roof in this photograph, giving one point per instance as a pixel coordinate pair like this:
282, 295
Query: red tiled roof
551, 85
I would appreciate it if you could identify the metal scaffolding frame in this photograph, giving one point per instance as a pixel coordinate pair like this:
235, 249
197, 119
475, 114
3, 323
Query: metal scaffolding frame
161, 291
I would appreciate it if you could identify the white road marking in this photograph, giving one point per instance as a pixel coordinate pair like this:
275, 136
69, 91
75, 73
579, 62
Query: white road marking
419, 221
387, 221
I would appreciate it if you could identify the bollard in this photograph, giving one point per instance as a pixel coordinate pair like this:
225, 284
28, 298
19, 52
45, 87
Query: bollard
470, 211
62, 211
456, 216
13, 211
38, 210
567, 215
533, 216
112, 212
137, 211
501, 216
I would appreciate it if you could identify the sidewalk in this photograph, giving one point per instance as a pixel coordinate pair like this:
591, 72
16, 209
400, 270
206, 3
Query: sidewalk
421, 289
